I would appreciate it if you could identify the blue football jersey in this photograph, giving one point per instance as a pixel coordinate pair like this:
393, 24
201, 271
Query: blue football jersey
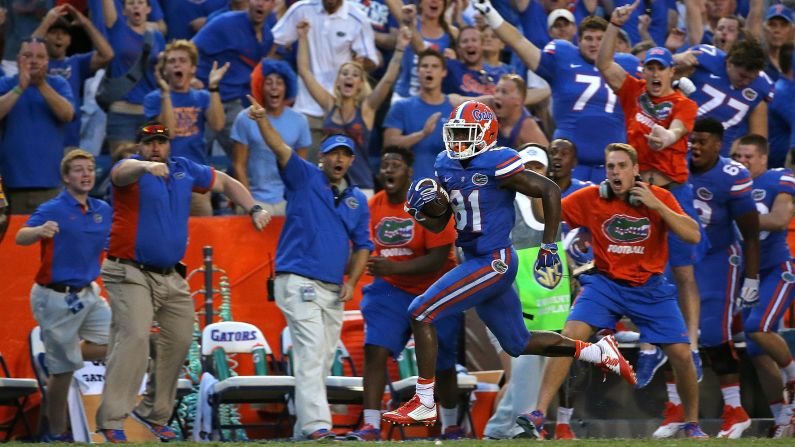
780, 120
716, 98
581, 95
484, 212
722, 194
766, 188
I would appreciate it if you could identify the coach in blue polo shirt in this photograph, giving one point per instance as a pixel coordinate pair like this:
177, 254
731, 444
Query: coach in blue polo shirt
151, 200
73, 229
327, 221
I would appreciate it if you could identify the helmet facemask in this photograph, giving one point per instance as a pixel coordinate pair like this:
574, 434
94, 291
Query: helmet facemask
464, 139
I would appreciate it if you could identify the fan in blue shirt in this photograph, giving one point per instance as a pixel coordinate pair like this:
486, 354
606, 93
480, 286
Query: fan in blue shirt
581, 94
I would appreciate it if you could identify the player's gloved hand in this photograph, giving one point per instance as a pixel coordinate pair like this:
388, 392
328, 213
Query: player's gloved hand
749, 293
686, 86
420, 193
547, 256
493, 18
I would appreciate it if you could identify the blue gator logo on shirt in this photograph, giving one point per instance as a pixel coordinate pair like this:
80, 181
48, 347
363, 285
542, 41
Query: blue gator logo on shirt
394, 231
623, 229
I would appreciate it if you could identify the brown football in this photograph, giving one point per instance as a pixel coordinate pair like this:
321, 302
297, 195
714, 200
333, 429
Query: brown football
439, 206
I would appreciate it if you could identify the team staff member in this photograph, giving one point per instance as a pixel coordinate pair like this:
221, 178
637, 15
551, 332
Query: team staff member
73, 229
151, 198
658, 120
327, 223
628, 220
407, 260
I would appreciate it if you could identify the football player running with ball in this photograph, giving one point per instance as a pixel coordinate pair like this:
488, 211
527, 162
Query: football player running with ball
481, 181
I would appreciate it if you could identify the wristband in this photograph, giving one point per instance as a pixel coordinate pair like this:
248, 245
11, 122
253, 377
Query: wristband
254, 210
17, 90
493, 18
212, 89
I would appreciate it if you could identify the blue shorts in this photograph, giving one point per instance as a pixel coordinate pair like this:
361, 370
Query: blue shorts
653, 307
681, 253
776, 292
123, 126
586, 173
485, 283
387, 324
717, 277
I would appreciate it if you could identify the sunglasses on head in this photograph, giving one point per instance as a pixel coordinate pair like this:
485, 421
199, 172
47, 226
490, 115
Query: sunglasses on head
155, 129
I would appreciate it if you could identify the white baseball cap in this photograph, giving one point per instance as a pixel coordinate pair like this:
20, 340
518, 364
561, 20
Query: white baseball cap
557, 14
534, 153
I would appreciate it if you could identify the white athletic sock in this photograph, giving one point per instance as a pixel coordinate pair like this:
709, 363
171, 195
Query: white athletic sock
564, 415
789, 371
731, 395
588, 352
425, 391
673, 395
449, 416
784, 415
648, 351
372, 417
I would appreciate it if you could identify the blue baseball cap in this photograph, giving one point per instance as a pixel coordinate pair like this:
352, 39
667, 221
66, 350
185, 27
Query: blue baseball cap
334, 141
659, 54
779, 10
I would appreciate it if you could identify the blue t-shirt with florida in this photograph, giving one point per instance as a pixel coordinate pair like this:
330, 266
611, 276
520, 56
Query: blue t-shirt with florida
462, 80
75, 69
264, 180
190, 110
319, 233
231, 38
127, 46
409, 115
150, 216
32, 141
72, 256
581, 96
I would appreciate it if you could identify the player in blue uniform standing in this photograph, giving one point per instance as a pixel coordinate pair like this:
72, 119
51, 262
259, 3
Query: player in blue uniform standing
481, 181
732, 88
773, 192
780, 119
580, 92
723, 197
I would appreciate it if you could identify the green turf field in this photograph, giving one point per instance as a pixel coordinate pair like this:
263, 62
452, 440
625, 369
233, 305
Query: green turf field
749, 442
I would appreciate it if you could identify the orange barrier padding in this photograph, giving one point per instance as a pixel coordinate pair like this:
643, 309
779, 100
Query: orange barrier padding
245, 254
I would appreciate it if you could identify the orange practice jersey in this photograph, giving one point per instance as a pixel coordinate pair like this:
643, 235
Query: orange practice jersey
629, 243
642, 111
398, 237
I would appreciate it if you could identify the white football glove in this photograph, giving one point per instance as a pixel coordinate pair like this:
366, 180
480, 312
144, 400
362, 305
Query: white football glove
749, 293
493, 18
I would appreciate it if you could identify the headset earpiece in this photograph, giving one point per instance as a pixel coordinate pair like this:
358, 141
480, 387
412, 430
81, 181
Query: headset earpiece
606, 192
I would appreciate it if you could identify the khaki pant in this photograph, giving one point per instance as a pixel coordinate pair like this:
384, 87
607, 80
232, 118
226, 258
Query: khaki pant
137, 298
25, 201
315, 329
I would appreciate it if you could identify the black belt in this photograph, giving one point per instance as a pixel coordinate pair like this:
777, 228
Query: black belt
63, 288
144, 267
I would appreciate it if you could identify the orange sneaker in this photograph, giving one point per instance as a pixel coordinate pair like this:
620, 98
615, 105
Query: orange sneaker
735, 422
563, 431
674, 419
411, 413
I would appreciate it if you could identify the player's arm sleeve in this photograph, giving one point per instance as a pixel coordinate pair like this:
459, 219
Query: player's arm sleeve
547, 63
740, 199
508, 164
630, 64
786, 183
